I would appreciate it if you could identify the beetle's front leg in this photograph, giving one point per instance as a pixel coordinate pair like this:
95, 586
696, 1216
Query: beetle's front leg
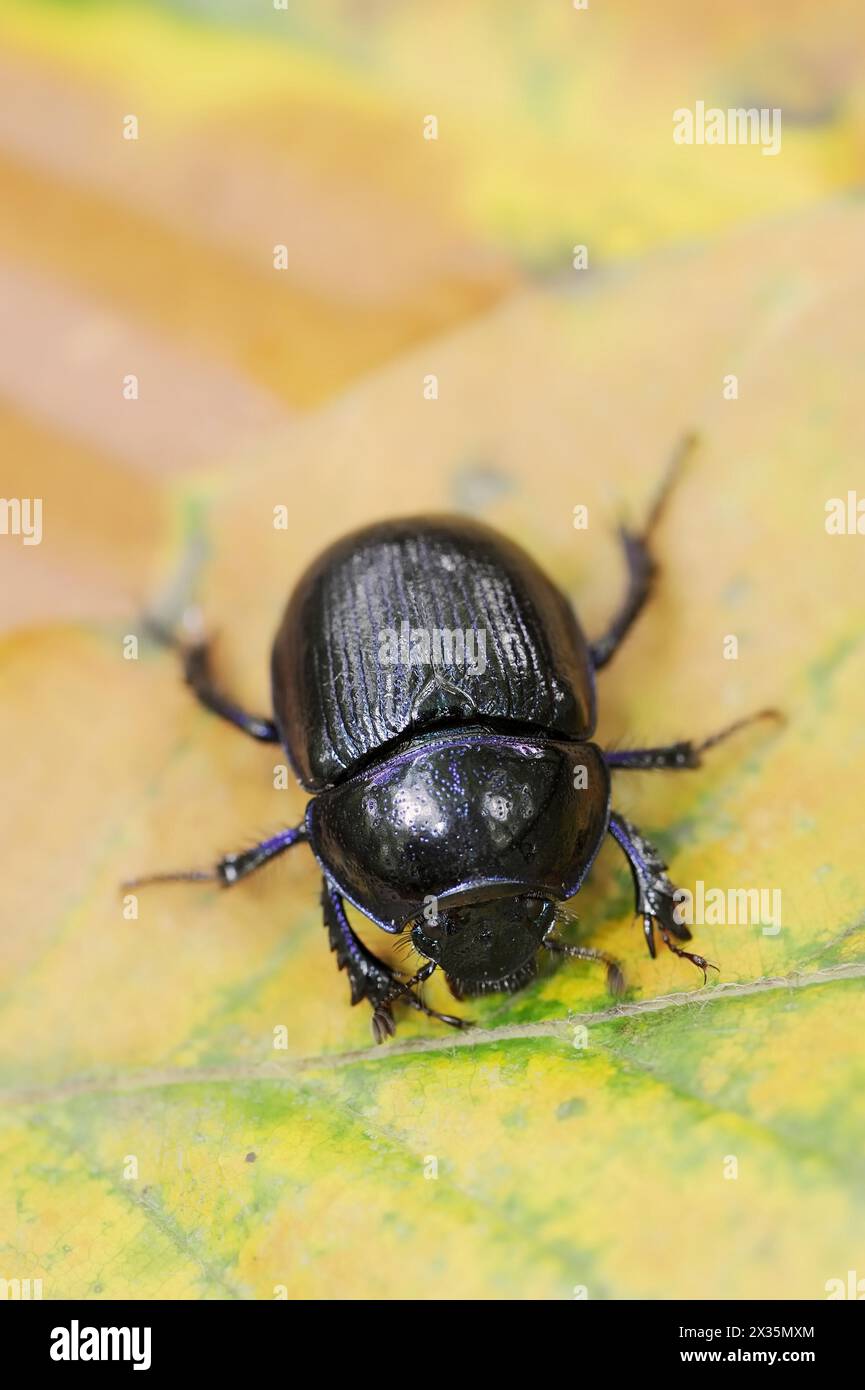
655, 893
369, 978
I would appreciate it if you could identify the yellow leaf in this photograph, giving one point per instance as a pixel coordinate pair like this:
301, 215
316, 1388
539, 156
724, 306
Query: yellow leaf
702, 1143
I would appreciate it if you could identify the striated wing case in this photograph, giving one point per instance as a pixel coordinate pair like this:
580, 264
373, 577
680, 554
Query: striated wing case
419, 623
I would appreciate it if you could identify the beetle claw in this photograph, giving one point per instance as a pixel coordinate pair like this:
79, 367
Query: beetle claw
383, 1024
615, 979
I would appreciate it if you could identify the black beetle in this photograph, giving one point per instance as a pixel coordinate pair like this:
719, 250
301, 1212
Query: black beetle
435, 692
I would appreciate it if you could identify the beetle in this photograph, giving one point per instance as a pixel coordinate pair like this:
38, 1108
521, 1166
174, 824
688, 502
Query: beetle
435, 693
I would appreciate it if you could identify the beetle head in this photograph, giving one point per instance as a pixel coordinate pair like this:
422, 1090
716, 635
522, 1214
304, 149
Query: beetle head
486, 947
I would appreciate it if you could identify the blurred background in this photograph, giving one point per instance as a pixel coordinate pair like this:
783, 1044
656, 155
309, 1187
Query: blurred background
302, 126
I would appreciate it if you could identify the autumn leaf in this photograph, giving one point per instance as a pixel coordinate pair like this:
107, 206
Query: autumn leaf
686, 1143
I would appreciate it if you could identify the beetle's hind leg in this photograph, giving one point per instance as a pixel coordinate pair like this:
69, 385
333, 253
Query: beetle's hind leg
369, 978
641, 565
655, 894
197, 673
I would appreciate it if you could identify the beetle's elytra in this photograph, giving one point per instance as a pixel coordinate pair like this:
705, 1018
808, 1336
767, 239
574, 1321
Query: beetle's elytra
435, 693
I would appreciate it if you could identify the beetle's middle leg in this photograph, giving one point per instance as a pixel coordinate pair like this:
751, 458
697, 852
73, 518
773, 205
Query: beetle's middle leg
231, 868
685, 754
655, 894
369, 978
641, 565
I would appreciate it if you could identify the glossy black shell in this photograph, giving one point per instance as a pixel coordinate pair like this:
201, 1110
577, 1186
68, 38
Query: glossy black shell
463, 816
340, 700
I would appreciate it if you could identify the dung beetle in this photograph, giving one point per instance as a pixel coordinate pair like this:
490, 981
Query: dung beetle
434, 691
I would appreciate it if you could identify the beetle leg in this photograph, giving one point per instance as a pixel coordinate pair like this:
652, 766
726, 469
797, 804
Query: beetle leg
232, 867
615, 978
685, 754
641, 565
655, 894
700, 961
406, 990
195, 657
369, 978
